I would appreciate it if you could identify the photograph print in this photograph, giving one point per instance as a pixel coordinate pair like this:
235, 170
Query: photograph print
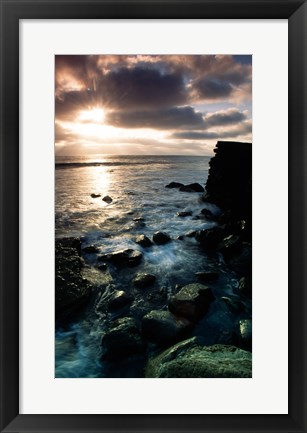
153, 216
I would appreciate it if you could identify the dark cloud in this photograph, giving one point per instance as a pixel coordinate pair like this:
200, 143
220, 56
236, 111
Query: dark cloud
172, 118
141, 88
212, 88
70, 103
225, 117
242, 130
194, 135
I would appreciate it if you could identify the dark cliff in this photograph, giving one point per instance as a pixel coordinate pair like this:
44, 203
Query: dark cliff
229, 183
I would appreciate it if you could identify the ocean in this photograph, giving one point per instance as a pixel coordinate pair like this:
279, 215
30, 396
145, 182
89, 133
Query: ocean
140, 205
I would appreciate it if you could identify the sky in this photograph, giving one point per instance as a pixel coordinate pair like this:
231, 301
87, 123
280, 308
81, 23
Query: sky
151, 105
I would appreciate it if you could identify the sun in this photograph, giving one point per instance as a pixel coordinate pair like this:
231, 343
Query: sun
95, 115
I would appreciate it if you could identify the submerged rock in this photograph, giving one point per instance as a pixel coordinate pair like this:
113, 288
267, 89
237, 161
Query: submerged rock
191, 302
91, 249
233, 304
144, 280
174, 185
143, 240
71, 289
191, 234
230, 245
188, 359
161, 238
95, 195
107, 199
192, 187
119, 299
163, 328
207, 277
184, 213
122, 339
208, 214
126, 257
210, 238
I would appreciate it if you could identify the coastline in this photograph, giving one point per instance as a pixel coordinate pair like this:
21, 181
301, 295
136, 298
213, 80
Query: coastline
172, 334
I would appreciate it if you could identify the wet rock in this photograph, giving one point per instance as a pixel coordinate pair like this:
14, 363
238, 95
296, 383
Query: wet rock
119, 299
122, 339
191, 234
174, 185
191, 302
230, 245
210, 238
162, 328
208, 214
246, 333
245, 286
143, 240
103, 267
95, 195
138, 219
161, 238
144, 280
180, 238
188, 359
91, 249
192, 187
107, 199
184, 213
233, 304
207, 277
71, 289
126, 257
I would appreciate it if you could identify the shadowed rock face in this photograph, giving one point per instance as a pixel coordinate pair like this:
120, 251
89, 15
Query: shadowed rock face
229, 183
71, 289
188, 359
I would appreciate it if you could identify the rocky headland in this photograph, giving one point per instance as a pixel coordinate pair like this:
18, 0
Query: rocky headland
200, 329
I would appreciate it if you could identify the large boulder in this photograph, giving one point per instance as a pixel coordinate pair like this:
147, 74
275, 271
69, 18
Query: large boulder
161, 238
126, 257
90, 249
143, 241
118, 300
191, 302
174, 185
122, 339
192, 187
188, 359
210, 238
163, 328
107, 199
144, 280
71, 289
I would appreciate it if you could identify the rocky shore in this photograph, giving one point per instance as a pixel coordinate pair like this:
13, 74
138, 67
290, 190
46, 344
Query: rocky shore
200, 329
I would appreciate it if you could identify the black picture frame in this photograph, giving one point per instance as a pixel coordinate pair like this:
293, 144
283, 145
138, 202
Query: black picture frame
295, 11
